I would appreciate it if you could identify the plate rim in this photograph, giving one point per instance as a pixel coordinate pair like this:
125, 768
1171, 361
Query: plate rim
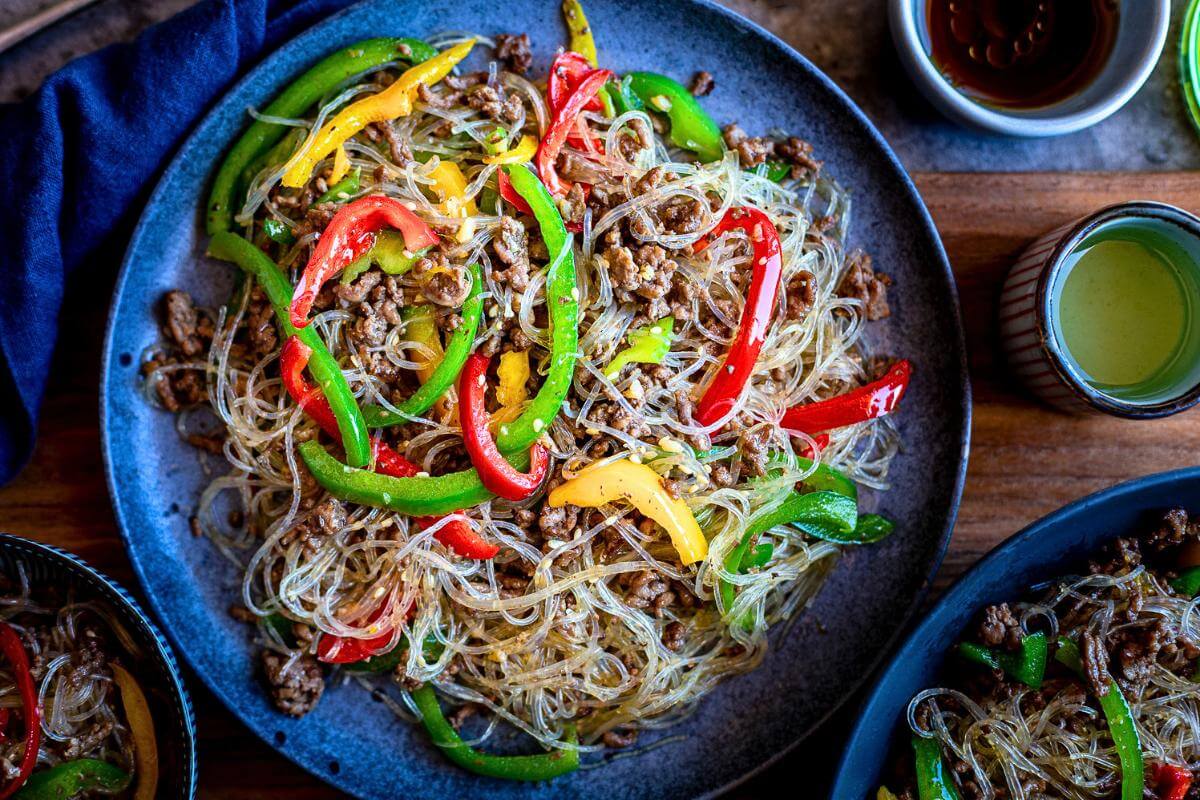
848, 108
875, 703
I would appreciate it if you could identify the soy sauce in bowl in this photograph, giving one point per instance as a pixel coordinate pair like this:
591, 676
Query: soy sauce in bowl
1021, 53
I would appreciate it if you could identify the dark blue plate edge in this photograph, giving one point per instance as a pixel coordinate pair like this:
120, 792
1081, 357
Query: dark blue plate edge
875, 706
928, 228
123, 599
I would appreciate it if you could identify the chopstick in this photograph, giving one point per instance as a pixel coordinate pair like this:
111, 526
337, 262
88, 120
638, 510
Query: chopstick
46, 17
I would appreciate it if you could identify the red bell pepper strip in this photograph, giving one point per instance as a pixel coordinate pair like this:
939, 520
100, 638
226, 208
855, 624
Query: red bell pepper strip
510, 194
566, 73
457, 534
1171, 782
496, 474
347, 649
350, 234
560, 128
767, 267
18, 661
866, 402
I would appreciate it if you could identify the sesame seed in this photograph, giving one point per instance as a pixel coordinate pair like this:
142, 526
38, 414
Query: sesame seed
538, 424
504, 430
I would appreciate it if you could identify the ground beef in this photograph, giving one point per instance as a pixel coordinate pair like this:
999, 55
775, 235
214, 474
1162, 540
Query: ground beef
573, 206
683, 215
442, 283
296, 687
798, 153
439, 100
702, 83
647, 589
326, 519
184, 325
753, 444
96, 733
1136, 652
751, 150
999, 628
511, 246
495, 103
864, 283
577, 169
1172, 531
513, 50
674, 635
1117, 557
635, 137
800, 294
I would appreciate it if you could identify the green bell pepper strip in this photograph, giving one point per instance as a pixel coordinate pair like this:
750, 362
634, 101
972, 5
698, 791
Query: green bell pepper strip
344, 189
388, 253
386, 662
933, 779
356, 437
274, 157
1027, 666
691, 126
72, 779
458, 347
623, 98
1188, 582
760, 556
276, 231
648, 345
443, 494
775, 171
869, 529
829, 509
512, 768
292, 102
1120, 724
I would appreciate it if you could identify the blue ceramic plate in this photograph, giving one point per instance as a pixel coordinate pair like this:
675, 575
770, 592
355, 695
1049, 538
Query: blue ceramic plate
158, 673
357, 744
1055, 545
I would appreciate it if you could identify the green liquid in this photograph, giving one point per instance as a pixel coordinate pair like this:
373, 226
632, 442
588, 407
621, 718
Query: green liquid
1125, 311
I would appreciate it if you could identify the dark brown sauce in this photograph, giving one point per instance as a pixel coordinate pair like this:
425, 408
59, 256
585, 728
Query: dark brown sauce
1021, 53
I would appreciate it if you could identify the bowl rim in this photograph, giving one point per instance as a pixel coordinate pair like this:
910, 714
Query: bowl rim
959, 594
955, 104
961, 392
120, 597
1051, 348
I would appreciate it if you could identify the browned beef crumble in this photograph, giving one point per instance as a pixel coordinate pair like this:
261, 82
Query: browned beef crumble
296, 686
702, 83
513, 49
862, 282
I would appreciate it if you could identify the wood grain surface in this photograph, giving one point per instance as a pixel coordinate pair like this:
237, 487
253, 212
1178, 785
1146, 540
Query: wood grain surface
1026, 460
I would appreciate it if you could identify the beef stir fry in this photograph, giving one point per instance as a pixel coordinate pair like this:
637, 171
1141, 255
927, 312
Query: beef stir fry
1087, 689
74, 721
540, 389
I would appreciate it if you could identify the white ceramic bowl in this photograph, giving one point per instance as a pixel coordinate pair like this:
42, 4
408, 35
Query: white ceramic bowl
1140, 37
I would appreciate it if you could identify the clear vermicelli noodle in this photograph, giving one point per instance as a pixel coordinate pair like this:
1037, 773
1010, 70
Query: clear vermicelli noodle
1119, 718
588, 621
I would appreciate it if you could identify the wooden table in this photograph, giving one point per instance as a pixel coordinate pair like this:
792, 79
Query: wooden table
1025, 460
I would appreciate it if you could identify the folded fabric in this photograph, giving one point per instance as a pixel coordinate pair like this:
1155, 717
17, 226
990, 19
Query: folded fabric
72, 184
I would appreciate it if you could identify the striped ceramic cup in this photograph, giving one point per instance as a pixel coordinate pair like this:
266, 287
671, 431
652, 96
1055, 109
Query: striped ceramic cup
1030, 324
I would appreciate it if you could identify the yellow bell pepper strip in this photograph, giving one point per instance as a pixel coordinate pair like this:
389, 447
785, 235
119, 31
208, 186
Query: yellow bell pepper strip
523, 153
393, 102
646, 346
451, 185
582, 41
513, 373
643, 487
262, 137
341, 164
141, 726
885, 793
420, 328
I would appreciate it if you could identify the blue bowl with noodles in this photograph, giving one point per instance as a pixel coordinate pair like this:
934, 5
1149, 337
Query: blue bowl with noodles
144, 651
1054, 546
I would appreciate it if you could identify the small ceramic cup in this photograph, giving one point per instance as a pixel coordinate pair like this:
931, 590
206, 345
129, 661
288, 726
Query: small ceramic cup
1033, 339
1141, 34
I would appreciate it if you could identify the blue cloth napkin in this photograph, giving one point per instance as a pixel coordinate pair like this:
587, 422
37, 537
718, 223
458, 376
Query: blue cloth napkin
78, 158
